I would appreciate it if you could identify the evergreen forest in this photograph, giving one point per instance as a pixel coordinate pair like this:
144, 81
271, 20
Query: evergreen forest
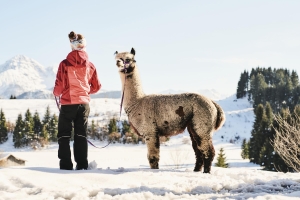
271, 92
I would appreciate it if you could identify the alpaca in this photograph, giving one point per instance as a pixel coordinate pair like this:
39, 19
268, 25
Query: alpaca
152, 116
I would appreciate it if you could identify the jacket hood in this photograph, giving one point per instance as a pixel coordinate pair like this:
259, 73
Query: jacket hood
78, 57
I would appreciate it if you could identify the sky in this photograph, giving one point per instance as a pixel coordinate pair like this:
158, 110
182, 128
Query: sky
181, 45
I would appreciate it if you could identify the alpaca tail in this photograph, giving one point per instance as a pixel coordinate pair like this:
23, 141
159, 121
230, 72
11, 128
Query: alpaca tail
220, 117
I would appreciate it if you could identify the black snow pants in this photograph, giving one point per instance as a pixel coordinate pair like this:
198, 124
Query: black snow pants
78, 114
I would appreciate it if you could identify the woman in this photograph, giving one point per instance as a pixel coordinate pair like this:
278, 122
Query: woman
76, 79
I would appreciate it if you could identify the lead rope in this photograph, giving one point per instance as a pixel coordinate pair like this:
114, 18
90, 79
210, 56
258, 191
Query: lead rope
125, 70
58, 106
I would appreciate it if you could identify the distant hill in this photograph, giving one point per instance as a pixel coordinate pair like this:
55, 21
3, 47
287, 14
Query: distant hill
107, 94
40, 94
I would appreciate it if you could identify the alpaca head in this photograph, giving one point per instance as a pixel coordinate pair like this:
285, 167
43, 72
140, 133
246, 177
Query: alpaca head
125, 61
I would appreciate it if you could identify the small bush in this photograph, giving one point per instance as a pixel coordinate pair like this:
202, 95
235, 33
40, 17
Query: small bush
186, 140
114, 137
221, 159
163, 139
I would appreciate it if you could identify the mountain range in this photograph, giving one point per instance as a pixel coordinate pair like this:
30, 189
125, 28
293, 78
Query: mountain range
21, 76
26, 78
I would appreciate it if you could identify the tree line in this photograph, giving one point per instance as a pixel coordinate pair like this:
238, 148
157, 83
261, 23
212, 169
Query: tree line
279, 87
30, 130
272, 92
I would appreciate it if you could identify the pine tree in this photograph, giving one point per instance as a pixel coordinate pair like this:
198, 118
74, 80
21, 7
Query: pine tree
112, 126
46, 123
44, 136
269, 113
294, 79
221, 159
28, 126
243, 84
296, 96
3, 128
126, 127
267, 151
245, 149
258, 86
18, 134
53, 125
260, 149
37, 125
240, 88
256, 141
93, 130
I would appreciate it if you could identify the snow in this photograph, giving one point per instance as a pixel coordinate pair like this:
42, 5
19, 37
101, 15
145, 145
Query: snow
22, 74
122, 171
28, 79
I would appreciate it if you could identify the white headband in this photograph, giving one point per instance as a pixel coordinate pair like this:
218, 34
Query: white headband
78, 44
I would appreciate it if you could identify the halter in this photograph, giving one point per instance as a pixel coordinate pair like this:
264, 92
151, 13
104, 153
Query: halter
125, 70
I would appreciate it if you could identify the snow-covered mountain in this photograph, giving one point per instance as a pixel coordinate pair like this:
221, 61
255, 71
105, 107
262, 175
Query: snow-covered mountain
25, 78
21, 75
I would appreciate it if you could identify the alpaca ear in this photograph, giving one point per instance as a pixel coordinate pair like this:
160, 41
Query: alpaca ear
132, 51
116, 53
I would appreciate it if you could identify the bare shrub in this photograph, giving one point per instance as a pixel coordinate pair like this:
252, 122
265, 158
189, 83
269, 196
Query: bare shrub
163, 139
131, 137
43, 142
287, 141
178, 158
35, 144
186, 140
114, 137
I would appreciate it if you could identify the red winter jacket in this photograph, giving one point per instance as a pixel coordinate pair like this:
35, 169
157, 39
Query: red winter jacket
76, 78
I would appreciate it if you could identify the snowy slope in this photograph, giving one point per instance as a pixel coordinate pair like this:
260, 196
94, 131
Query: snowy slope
122, 171
22, 74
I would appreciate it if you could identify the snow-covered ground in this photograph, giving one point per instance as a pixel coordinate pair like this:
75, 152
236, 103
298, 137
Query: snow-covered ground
122, 172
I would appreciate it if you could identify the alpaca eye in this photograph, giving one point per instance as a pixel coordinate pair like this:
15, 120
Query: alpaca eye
127, 60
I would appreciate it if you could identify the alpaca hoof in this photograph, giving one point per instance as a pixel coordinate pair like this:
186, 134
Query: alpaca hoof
197, 168
153, 163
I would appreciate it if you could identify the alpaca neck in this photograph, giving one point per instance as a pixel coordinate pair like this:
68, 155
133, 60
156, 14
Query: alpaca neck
133, 89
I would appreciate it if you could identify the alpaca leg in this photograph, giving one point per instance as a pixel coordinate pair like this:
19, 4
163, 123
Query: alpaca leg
208, 150
209, 158
204, 145
198, 153
153, 150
